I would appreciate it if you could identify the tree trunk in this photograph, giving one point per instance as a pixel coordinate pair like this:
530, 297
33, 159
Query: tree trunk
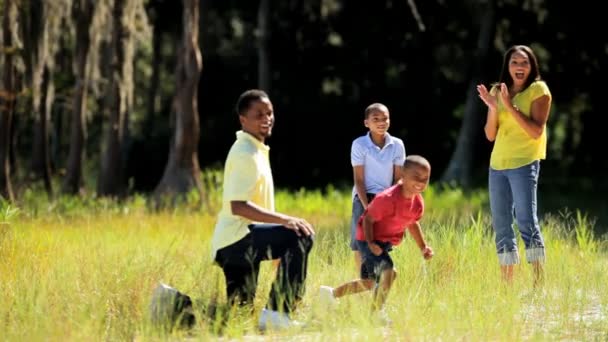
41, 84
59, 131
264, 76
83, 14
7, 97
41, 160
460, 165
112, 178
154, 98
182, 172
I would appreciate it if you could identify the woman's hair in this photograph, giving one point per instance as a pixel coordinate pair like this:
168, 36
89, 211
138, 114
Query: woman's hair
534, 75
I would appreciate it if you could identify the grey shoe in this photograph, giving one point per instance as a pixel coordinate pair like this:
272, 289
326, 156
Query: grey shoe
170, 308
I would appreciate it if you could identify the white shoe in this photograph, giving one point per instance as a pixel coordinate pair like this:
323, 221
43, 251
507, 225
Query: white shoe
381, 318
275, 320
327, 297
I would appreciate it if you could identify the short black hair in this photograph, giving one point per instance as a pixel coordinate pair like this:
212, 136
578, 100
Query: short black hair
417, 161
248, 97
375, 107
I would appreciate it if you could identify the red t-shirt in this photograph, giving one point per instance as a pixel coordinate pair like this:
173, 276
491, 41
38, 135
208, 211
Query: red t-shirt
392, 214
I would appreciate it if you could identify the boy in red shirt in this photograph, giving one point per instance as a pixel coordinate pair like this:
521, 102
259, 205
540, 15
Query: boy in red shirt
382, 226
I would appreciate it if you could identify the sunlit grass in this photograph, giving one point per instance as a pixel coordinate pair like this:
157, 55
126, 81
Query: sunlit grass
79, 270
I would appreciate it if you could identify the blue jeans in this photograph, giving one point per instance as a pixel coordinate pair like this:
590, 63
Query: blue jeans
356, 214
514, 191
372, 265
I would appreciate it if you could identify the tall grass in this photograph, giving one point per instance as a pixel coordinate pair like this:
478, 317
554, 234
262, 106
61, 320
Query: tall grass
84, 270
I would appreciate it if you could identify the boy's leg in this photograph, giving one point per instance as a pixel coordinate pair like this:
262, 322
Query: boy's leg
354, 286
357, 211
366, 281
387, 277
501, 206
275, 241
524, 182
379, 269
240, 271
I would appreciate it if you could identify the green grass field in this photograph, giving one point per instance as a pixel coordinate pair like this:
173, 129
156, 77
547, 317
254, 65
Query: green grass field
84, 270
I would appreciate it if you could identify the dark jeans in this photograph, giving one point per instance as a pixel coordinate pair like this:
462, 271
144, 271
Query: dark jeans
241, 265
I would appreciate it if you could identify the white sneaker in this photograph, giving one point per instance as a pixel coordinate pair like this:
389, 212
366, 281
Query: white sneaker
275, 320
382, 318
327, 297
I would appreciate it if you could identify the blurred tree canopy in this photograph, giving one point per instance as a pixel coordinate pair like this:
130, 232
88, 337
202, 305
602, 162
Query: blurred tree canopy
322, 61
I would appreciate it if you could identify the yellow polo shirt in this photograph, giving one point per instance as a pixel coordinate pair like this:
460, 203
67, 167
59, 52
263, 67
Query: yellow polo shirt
247, 177
513, 147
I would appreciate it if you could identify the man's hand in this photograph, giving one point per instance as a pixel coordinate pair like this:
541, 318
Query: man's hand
300, 226
374, 248
427, 252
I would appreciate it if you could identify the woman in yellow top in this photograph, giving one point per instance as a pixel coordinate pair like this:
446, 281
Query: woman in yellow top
518, 109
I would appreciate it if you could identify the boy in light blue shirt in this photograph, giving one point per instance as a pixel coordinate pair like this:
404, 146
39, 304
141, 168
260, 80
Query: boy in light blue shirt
376, 158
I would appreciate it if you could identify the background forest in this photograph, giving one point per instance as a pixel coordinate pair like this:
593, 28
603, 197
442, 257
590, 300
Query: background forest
118, 97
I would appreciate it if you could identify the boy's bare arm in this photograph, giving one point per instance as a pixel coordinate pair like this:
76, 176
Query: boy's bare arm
368, 234
359, 179
417, 235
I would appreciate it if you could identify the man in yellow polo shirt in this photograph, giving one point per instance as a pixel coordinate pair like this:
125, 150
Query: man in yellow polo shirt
249, 230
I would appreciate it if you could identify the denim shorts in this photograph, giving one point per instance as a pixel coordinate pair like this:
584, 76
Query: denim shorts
356, 214
372, 265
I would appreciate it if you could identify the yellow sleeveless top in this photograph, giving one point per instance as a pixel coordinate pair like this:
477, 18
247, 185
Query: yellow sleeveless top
513, 147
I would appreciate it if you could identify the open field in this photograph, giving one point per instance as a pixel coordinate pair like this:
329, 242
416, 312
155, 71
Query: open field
84, 271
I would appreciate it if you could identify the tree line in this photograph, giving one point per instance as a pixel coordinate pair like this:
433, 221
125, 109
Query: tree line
115, 91
104, 36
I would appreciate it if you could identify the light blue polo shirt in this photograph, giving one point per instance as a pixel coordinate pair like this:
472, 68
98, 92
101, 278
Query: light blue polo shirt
378, 162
